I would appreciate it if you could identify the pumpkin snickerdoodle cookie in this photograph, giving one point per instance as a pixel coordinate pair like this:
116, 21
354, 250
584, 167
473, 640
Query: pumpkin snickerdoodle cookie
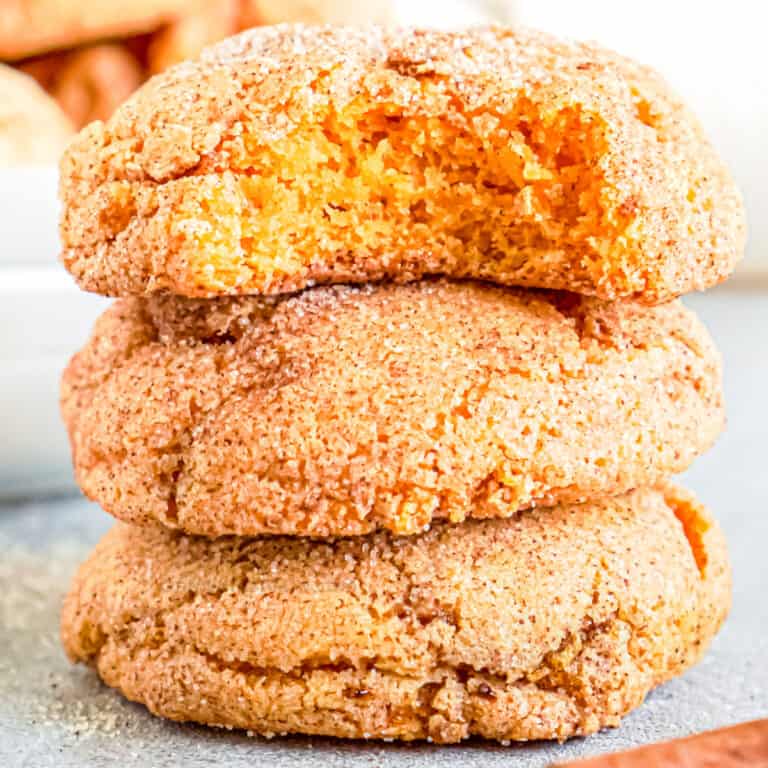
345, 409
551, 624
290, 155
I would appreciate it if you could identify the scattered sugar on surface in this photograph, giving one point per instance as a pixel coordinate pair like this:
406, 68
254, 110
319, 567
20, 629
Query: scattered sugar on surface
39, 689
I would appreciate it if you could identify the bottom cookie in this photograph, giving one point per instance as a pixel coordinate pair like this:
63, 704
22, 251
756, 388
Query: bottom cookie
551, 624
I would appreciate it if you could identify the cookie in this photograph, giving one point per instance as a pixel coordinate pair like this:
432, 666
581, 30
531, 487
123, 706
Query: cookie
552, 624
31, 27
290, 155
33, 130
345, 409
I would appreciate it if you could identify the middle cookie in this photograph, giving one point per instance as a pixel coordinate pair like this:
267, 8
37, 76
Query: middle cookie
340, 410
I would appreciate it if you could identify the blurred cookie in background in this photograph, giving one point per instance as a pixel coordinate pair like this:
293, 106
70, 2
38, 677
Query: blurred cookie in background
203, 22
32, 27
33, 129
91, 56
91, 82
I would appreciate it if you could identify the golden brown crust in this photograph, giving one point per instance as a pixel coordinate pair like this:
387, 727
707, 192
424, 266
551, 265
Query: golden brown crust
345, 409
292, 155
32, 128
31, 27
552, 624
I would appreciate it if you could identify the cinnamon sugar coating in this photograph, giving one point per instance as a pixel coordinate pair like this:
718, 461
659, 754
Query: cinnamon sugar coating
552, 624
290, 155
345, 409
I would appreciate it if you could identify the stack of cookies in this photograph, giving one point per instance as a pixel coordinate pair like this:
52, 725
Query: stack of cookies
390, 399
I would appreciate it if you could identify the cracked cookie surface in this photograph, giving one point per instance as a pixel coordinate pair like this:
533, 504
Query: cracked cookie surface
289, 156
344, 409
551, 624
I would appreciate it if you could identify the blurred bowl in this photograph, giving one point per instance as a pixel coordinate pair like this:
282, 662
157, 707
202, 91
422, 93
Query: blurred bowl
44, 319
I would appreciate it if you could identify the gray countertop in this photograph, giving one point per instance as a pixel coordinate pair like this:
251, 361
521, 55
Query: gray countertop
54, 714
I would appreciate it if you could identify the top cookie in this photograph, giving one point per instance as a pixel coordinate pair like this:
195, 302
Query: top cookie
293, 155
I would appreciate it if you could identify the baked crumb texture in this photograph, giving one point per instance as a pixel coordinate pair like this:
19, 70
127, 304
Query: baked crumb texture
292, 155
552, 624
345, 409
